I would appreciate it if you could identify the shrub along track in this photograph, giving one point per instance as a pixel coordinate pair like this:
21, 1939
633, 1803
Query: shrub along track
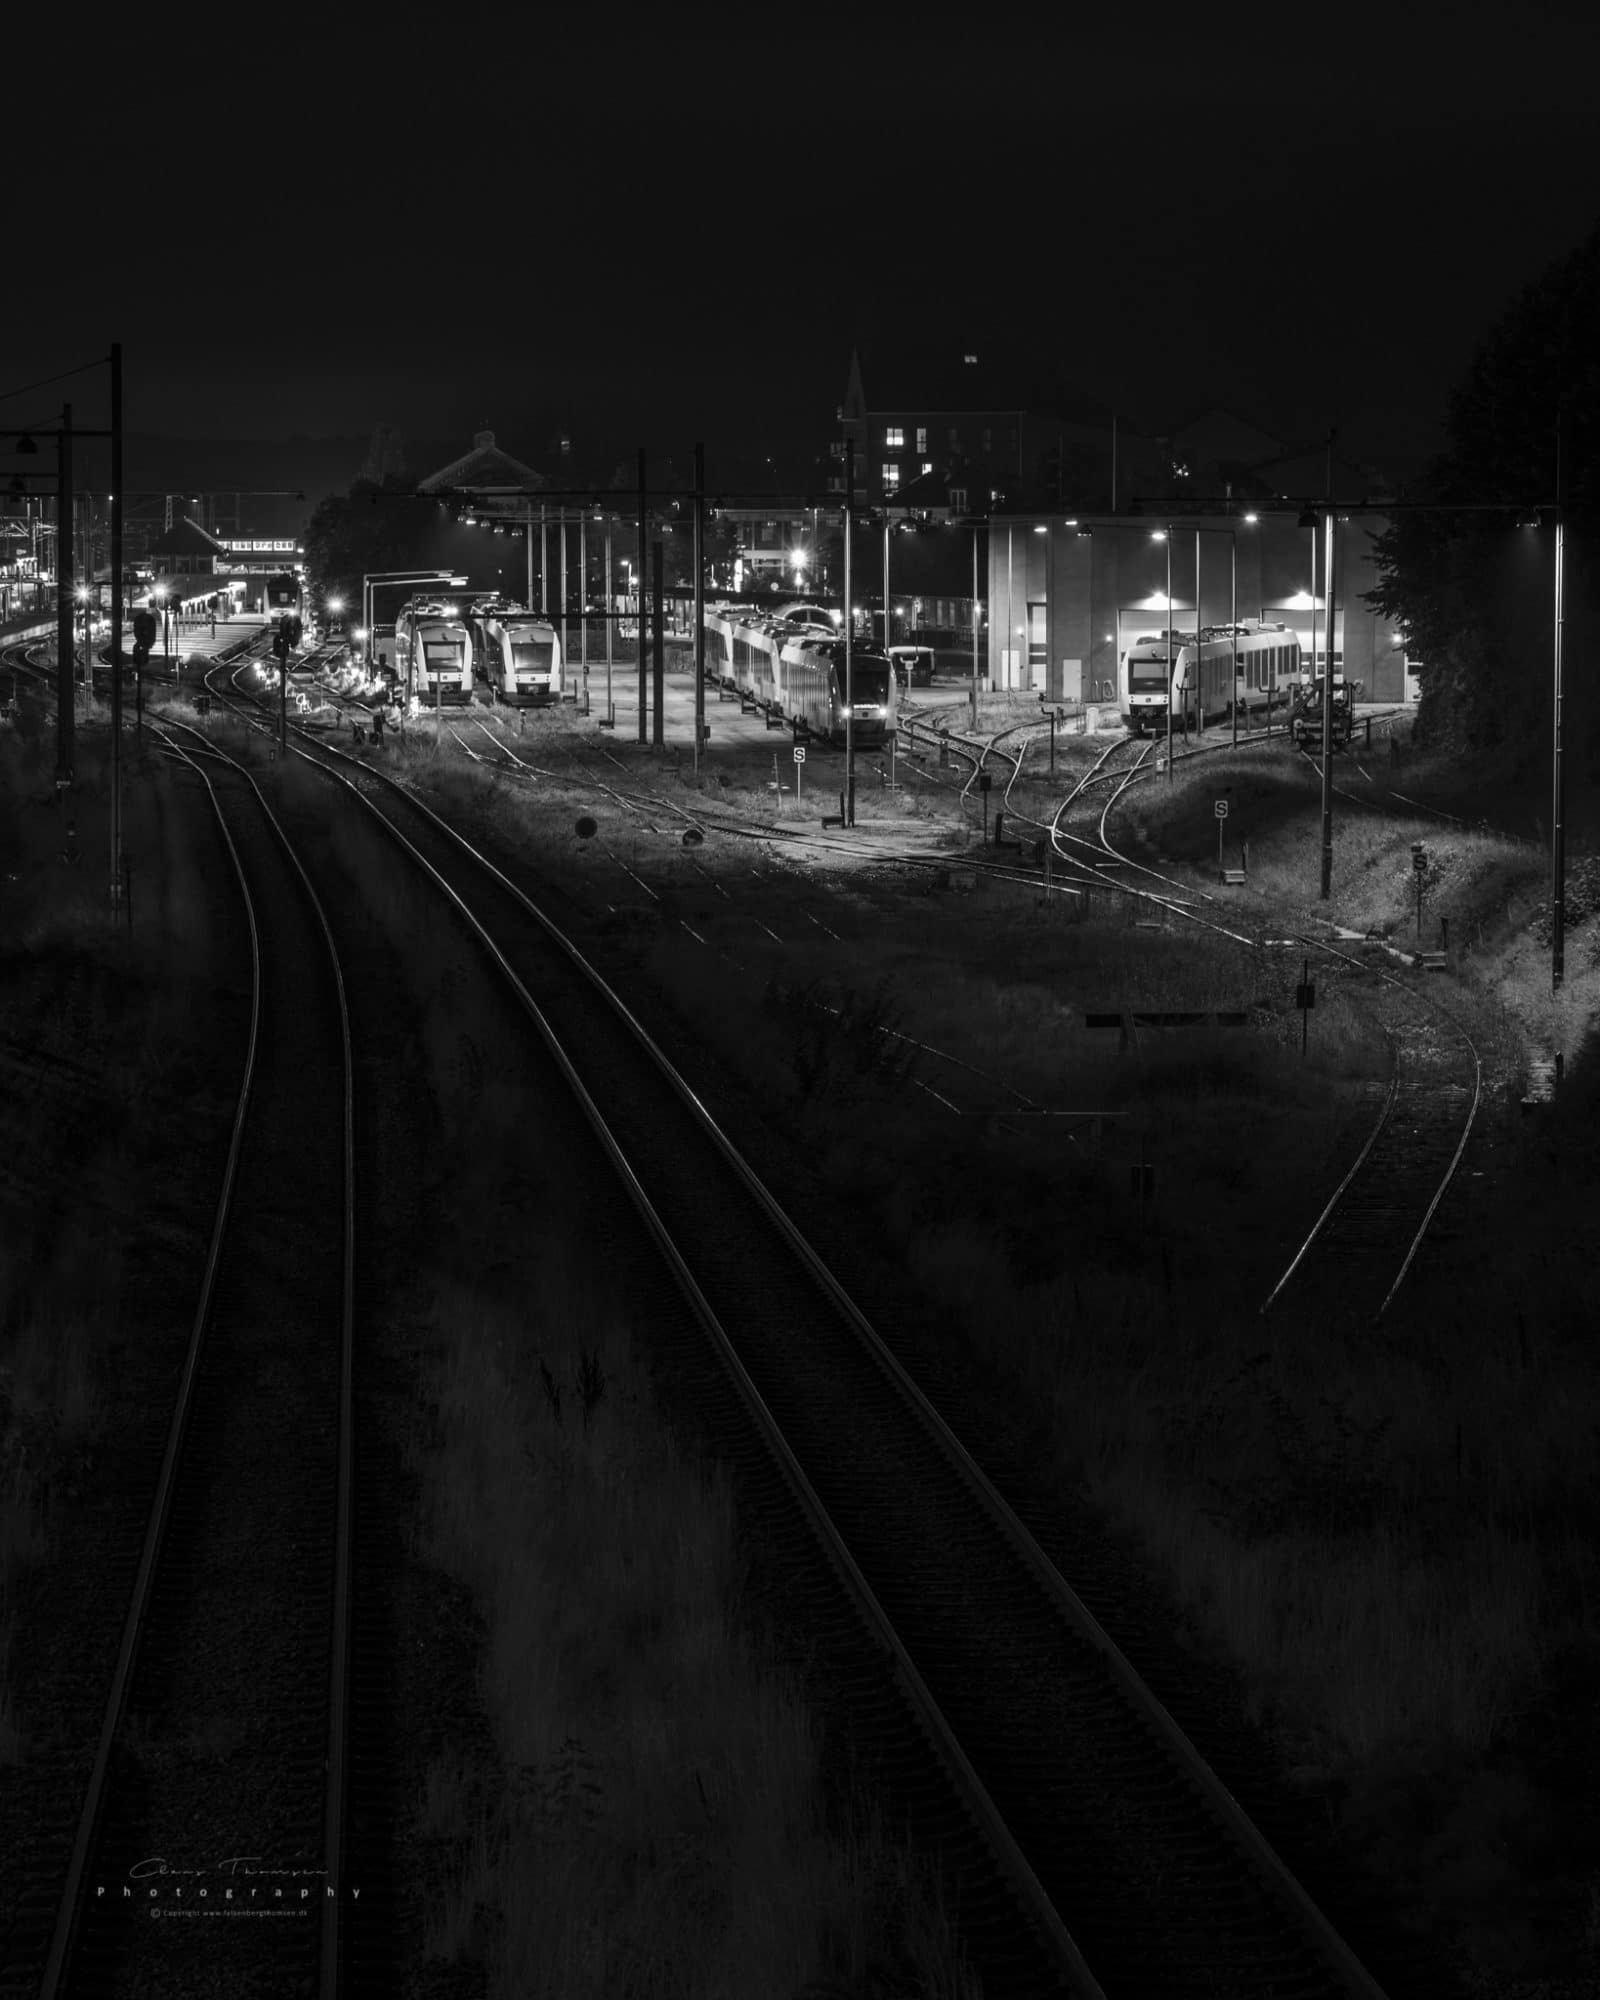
1056, 1783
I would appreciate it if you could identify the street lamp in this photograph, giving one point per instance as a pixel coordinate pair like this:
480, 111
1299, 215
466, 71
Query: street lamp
160, 596
1165, 535
374, 580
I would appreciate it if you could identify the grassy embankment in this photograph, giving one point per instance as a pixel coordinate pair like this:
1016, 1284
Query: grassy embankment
123, 1010
1389, 1536
657, 1823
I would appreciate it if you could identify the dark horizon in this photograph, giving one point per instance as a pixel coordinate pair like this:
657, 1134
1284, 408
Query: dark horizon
1160, 220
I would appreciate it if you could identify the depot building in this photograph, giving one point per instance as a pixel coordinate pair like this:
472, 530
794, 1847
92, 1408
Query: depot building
1068, 594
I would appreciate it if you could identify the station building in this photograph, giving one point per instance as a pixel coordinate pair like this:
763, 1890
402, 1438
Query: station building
1069, 593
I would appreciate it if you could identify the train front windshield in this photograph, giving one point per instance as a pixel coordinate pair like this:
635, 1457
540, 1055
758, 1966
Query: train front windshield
442, 655
1149, 675
532, 656
869, 683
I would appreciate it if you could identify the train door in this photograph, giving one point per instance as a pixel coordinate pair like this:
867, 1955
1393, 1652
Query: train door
1038, 659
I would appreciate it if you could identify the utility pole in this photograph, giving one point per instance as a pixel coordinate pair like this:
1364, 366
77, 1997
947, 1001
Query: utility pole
1327, 708
849, 668
116, 606
1233, 629
561, 530
1558, 839
658, 720
583, 601
1169, 652
611, 713
972, 705
1199, 627
64, 602
699, 605
642, 573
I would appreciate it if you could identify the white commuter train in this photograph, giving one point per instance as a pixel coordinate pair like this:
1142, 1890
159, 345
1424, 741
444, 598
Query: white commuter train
1251, 664
519, 655
794, 671
433, 653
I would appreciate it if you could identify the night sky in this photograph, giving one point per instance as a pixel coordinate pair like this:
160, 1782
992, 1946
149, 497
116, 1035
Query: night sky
663, 233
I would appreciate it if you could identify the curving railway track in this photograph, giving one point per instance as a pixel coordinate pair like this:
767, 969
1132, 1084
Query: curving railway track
1359, 1251
1097, 1852
1363, 1243
219, 1772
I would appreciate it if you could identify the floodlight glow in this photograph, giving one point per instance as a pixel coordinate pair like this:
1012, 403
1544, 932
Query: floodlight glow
1252, 519
1158, 534
335, 603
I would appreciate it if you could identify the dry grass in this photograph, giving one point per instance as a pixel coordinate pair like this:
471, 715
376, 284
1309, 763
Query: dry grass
659, 1827
123, 1012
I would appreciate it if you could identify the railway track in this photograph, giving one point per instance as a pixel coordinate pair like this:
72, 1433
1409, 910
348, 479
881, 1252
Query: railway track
1362, 1246
1098, 1853
217, 1787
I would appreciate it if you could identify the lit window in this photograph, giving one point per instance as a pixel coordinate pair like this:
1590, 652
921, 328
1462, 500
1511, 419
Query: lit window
927, 467
891, 478
922, 438
894, 438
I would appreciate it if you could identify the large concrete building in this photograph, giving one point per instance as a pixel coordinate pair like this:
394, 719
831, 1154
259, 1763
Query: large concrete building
1067, 594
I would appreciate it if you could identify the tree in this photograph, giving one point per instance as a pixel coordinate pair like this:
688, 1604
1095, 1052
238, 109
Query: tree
372, 527
1472, 590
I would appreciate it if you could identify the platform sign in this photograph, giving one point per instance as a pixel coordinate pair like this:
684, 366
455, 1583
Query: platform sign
799, 753
799, 759
1221, 808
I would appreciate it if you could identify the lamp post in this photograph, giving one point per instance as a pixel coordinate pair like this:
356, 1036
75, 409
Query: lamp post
1165, 535
374, 580
1233, 621
1327, 709
1558, 836
699, 602
849, 657
972, 703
